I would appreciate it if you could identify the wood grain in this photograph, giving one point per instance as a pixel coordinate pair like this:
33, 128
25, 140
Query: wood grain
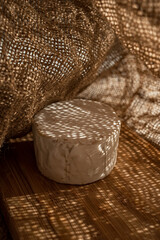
125, 205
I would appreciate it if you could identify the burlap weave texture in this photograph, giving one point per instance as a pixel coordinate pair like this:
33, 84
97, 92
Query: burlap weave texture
52, 50
49, 51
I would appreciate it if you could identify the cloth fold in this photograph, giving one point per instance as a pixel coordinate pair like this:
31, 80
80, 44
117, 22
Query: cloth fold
52, 50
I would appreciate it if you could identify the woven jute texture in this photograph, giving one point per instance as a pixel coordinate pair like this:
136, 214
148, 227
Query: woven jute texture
52, 50
134, 93
130, 87
137, 24
49, 51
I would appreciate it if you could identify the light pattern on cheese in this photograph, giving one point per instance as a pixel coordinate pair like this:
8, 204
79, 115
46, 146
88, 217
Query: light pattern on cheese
76, 141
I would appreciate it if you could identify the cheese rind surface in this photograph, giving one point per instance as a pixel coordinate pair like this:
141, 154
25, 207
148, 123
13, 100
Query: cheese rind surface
76, 141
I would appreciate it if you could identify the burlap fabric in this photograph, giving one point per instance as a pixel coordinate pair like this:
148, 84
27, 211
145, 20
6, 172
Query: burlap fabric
133, 87
137, 24
51, 50
134, 93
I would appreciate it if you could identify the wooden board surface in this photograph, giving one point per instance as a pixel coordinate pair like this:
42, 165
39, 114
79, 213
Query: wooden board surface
125, 205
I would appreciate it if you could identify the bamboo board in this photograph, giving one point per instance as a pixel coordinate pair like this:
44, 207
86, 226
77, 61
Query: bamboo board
125, 205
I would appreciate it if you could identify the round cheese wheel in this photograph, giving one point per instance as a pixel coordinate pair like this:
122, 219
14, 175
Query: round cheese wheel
76, 141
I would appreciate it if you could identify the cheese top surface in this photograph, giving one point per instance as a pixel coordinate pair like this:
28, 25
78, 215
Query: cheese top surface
78, 119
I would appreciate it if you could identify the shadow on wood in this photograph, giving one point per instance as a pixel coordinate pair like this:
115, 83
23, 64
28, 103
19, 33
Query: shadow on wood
125, 205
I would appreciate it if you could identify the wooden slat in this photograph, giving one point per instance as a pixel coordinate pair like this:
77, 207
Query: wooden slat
125, 205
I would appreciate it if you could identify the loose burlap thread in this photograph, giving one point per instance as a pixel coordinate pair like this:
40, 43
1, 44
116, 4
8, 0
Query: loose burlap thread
52, 50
